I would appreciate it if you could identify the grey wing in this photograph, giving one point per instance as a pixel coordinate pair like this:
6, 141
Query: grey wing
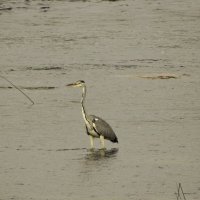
103, 128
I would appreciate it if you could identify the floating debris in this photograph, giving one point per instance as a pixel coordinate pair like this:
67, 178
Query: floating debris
39, 88
185, 74
5, 8
6, 87
30, 88
44, 68
44, 7
160, 76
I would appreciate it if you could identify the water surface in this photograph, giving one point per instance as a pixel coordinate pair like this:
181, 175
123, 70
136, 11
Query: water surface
44, 150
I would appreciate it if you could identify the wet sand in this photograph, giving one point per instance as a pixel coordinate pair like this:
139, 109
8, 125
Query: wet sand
122, 49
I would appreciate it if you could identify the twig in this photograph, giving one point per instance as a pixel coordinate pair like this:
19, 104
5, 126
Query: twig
182, 191
179, 188
178, 194
18, 89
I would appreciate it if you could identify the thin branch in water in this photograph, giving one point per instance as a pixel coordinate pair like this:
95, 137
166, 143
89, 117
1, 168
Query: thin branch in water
182, 191
178, 194
179, 188
18, 89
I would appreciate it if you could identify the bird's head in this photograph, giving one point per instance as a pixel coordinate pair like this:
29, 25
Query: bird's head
79, 83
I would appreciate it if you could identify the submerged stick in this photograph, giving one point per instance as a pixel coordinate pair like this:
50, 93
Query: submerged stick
182, 191
179, 188
178, 194
18, 89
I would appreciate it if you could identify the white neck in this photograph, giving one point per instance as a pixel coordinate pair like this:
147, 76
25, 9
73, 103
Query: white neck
83, 104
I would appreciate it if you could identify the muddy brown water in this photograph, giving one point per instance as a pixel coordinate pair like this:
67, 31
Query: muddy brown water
44, 150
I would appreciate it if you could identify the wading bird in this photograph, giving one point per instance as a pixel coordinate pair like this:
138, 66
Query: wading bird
95, 126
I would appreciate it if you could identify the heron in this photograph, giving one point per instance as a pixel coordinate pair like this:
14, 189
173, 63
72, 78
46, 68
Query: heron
95, 126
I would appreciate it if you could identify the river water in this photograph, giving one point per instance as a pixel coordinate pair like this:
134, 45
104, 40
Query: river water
121, 49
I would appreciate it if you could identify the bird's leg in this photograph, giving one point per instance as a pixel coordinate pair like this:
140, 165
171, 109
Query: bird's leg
92, 142
102, 141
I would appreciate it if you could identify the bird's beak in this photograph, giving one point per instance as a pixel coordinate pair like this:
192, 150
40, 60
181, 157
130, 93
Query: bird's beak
71, 84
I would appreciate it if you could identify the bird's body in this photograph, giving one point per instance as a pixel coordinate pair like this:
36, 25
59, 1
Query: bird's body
100, 127
95, 126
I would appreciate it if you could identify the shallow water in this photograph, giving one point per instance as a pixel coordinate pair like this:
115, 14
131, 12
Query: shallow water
44, 150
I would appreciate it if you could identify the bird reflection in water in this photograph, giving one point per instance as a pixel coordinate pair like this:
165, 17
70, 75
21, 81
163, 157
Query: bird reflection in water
97, 154
95, 164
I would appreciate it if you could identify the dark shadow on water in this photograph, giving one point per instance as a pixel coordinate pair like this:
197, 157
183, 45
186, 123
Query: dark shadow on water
41, 149
72, 149
98, 154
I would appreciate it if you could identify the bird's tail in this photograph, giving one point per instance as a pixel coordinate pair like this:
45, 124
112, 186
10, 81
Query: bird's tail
115, 140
